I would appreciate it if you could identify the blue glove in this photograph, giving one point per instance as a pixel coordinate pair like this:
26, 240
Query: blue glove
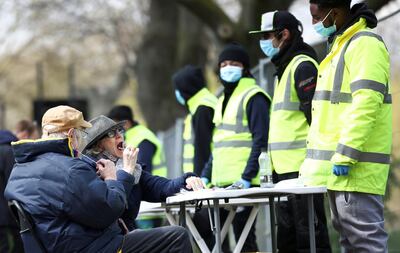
340, 170
246, 184
205, 180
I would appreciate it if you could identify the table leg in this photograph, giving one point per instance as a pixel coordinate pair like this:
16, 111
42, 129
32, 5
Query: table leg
225, 227
272, 218
246, 229
170, 217
195, 233
311, 222
182, 214
217, 231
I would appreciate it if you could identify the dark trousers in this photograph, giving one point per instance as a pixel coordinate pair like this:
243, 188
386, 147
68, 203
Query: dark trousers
292, 216
172, 239
10, 240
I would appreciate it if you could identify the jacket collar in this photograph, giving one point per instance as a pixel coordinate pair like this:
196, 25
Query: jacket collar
28, 150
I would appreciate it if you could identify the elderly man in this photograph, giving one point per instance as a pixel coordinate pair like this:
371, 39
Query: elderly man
105, 140
75, 208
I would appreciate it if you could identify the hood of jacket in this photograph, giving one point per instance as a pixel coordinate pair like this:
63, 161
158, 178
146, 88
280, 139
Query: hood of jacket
356, 12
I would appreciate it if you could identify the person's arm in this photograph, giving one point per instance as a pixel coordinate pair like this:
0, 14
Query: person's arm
147, 151
132, 211
157, 189
203, 127
258, 117
369, 67
207, 171
93, 202
305, 78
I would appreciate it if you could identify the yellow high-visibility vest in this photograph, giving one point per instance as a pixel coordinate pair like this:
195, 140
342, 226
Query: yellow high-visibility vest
202, 98
135, 135
288, 126
232, 138
352, 115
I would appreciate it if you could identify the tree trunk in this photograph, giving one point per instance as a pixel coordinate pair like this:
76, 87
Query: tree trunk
174, 37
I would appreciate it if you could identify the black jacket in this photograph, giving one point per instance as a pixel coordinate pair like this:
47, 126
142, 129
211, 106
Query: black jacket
6, 165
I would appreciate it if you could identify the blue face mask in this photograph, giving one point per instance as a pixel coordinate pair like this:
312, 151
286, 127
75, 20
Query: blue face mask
230, 74
179, 97
268, 48
322, 30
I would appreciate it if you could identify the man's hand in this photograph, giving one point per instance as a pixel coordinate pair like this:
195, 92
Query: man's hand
129, 159
246, 184
340, 170
106, 169
194, 183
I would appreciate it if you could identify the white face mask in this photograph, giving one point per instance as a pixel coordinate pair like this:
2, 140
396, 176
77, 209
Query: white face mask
231, 74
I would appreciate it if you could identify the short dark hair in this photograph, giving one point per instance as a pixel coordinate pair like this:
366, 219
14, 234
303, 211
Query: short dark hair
121, 112
26, 125
332, 3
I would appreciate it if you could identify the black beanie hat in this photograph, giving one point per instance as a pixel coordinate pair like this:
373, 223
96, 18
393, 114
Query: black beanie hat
189, 80
331, 3
234, 52
121, 112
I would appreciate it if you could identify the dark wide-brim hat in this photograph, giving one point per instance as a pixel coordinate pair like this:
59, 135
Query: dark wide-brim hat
101, 125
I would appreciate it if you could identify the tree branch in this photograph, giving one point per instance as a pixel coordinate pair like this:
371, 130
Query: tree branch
215, 18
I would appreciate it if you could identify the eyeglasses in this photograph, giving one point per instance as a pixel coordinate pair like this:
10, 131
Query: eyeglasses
112, 133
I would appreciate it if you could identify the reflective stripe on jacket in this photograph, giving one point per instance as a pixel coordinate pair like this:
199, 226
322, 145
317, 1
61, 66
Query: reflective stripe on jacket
352, 115
288, 125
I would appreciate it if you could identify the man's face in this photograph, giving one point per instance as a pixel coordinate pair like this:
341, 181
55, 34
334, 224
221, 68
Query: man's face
231, 63
320, 14
273, 37
113, 142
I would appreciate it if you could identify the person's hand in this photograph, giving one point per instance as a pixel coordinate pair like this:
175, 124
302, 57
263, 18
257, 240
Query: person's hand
340, 170
194, 183
246, 184
205, 180
106, 169
129, 159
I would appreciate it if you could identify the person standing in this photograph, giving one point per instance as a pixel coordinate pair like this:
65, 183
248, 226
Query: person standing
191, 92
241, 120
296, 63
349, 142
10, 240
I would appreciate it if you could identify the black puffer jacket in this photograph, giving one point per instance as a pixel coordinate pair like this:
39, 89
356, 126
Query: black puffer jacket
6, 165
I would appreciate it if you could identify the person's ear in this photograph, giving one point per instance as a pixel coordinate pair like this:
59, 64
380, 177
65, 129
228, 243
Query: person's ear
70, 133
334, 15
285, 35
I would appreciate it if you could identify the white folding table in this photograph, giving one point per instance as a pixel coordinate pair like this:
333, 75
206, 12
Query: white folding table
220, 196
